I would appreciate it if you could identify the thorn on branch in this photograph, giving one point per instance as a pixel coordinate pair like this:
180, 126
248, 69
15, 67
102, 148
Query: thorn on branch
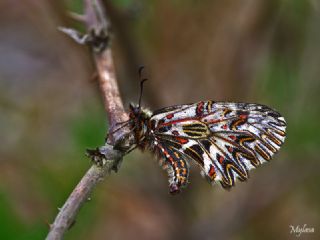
100, 156
48, 224
72, 224
97, 39
78, 17
96, 157
75, 35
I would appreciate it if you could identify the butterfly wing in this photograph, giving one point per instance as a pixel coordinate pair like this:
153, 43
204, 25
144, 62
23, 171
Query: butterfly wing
225, 139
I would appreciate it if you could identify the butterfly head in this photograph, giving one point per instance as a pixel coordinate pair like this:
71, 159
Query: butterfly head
138, 116
139, 113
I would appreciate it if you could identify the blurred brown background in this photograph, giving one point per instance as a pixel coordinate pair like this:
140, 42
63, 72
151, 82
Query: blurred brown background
51, 111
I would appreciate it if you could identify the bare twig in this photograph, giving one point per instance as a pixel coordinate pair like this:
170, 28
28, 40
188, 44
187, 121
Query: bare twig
97, 22
77, 17
75, 35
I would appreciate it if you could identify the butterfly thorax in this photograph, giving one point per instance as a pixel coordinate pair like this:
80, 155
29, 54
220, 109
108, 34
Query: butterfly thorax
139, 120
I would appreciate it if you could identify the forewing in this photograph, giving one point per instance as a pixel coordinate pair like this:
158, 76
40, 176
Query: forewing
225, 139
256, 129
243, 137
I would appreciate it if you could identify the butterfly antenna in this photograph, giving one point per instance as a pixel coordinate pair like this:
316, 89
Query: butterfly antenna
141, 85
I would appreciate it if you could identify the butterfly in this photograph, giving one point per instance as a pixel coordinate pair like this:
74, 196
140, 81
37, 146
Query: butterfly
225, 139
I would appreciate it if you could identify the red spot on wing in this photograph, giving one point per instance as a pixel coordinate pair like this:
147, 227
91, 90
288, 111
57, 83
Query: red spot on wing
199, 110
225, 126
214, 121
181, 140
221, 159
176, 121
169, 116
243, 116
232, 137
212, 172
230, 149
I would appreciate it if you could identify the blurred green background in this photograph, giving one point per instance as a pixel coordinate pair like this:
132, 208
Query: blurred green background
51, 111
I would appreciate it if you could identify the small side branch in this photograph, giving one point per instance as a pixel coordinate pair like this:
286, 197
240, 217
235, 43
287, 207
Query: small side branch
97, 23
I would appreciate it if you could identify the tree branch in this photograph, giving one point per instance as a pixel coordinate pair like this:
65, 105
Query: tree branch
97, 23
